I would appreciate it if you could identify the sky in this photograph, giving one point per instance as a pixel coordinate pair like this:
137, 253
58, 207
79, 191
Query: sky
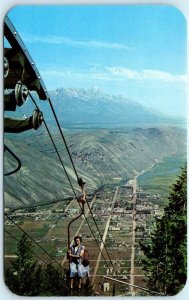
138, 51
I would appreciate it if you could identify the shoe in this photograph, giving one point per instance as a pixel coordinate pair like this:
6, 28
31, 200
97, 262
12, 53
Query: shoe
71, 292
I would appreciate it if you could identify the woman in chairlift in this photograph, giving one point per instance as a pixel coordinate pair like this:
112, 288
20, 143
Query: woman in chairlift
78, 265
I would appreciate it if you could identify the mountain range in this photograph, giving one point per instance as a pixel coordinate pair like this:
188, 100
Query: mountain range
92, 107
110, 138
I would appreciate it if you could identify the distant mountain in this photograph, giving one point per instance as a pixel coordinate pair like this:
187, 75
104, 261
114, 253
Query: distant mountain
101, 157
94, 106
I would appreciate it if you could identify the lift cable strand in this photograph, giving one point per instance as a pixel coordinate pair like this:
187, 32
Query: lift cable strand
80, 182
66, 172
55, 147
101, 237
134, 285
31, 250
62, 135
95, 239
33, 239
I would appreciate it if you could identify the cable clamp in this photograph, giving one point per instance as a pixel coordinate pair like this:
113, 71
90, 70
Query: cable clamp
81, 182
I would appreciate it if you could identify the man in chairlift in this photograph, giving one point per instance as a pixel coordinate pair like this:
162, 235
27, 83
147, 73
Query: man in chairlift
78, 264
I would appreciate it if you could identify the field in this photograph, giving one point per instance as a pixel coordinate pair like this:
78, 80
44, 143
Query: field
159, 179
120, 220
48, 227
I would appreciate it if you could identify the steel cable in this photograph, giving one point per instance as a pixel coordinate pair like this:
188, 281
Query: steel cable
66, 172
62, 135
32, 239
31, 250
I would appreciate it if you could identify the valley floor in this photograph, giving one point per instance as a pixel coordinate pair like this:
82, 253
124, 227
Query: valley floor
123, 215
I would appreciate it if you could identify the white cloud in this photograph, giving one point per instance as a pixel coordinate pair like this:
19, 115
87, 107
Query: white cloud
77, 74
61, 40
145, 74
114, 74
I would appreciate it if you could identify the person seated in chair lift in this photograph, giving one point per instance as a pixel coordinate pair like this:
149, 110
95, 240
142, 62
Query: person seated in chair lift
78, 265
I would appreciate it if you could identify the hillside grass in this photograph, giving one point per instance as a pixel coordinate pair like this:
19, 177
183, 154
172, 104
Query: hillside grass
161, 177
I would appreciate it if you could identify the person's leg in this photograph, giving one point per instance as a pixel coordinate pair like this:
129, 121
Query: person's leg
79, 286
84, 280
87, 271
81, 274
73, 273
71, 283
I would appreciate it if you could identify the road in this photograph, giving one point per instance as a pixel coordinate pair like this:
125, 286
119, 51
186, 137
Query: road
104, 237
50, 229
134, 198
133, 182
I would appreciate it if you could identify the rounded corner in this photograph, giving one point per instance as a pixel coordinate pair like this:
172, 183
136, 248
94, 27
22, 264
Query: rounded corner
179, 10
6, 290
182, 291
9, 10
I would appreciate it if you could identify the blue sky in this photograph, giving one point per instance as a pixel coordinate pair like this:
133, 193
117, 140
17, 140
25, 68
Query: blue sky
136, 51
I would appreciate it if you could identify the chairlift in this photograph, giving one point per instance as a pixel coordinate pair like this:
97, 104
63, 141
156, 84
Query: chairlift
82, 262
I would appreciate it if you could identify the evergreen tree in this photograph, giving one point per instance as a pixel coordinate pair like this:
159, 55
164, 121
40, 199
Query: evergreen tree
87, 289
54, 282
26, 278
166, 258
23, 276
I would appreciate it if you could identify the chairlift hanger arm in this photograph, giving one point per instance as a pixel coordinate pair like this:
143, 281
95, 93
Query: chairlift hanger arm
16, 158
17, 126
77, 217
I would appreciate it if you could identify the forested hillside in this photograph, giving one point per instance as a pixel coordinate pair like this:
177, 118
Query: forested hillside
165, 258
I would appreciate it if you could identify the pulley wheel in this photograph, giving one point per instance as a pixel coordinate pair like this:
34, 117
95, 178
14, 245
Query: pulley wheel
37, 118
21, 93
6, 67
